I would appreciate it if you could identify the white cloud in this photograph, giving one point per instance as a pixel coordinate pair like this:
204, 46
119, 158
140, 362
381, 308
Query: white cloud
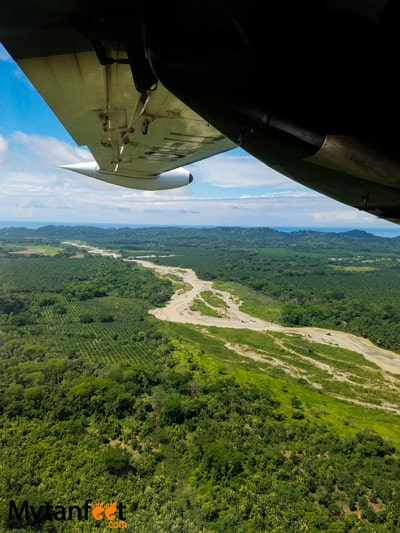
306, 193
105, 203
48, 150
238, 169
3, 150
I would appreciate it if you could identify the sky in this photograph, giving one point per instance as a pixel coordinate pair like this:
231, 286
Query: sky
230, 189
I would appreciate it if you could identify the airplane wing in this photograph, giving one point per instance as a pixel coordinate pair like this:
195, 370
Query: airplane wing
138, 138
309, 88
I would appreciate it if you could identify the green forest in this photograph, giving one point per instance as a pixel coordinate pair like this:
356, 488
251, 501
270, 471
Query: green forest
101, 401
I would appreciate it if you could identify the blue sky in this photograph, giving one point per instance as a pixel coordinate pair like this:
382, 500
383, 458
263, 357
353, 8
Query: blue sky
231, 189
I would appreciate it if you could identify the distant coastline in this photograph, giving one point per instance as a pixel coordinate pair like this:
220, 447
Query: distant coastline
388, 232
379, 232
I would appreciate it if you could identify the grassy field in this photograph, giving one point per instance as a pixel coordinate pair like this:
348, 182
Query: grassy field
292, 376
254, 303
201, 307
213, 299
45, 250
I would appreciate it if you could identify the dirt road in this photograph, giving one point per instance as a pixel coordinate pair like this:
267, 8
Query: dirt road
178, 309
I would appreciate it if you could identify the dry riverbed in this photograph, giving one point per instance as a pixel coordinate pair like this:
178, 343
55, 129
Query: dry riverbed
178, 309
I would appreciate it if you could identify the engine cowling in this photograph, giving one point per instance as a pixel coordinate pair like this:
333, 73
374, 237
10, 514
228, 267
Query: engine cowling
172, 179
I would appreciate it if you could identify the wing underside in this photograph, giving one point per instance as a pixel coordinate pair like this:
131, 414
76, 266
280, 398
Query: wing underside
129, 133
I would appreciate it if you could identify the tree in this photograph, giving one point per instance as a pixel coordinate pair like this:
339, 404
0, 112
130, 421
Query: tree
116, 461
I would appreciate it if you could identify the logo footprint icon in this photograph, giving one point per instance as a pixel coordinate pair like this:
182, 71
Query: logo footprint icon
111, 509
98, 510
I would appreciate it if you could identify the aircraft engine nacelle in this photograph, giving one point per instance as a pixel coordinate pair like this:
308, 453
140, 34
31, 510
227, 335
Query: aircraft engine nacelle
172, 179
